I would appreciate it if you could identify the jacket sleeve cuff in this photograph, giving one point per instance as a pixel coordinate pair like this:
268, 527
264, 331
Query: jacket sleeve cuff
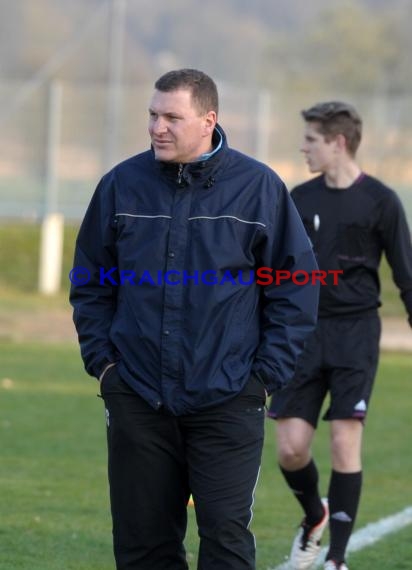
105, 369
270, 384
100, 368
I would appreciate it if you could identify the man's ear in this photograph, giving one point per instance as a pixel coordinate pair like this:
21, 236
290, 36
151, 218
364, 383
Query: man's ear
341, 142
210, 122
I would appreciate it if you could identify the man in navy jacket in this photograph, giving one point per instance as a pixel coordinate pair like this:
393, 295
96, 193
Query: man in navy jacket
198, 299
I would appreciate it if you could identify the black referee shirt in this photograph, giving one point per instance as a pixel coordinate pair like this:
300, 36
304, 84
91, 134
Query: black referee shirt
350, 228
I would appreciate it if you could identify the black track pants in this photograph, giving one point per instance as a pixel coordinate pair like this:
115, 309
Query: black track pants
156, 460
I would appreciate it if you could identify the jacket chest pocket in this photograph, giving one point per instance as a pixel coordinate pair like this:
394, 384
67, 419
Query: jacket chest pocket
353, 243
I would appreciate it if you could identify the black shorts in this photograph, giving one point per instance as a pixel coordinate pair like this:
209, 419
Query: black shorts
340, 357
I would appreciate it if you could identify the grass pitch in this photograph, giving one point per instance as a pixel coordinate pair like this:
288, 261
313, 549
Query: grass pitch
54, 509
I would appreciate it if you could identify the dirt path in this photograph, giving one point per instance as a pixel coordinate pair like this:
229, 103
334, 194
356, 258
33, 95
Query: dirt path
55, 325
396, 334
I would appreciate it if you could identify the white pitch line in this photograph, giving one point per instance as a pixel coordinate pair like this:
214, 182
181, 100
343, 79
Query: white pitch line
367, 535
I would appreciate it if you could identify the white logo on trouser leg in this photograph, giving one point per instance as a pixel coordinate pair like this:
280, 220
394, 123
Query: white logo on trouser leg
341, 516
107, 417
360, 406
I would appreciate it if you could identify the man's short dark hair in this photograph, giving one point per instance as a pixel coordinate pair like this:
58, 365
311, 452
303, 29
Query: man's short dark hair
202, 87
337, 118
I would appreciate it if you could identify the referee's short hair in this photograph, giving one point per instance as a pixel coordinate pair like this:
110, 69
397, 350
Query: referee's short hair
337, 118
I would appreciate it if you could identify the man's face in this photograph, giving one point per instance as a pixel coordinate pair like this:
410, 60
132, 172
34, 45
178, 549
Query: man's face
178, 130
320, 155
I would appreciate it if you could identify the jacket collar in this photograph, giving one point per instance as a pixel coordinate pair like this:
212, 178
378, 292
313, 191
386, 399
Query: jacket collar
204, 169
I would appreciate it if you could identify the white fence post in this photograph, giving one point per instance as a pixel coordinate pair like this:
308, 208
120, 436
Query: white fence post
263, 125
52, 230
51, 254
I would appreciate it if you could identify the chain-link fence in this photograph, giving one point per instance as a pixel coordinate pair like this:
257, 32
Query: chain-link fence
55, 146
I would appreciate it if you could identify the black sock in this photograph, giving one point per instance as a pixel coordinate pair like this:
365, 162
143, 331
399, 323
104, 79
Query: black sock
304, 484
344, 494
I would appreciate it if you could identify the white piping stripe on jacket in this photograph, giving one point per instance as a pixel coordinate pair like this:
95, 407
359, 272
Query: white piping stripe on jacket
143, 216
193, 218
232, 217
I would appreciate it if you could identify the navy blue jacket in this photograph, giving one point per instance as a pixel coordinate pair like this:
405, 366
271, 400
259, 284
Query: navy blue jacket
171, 250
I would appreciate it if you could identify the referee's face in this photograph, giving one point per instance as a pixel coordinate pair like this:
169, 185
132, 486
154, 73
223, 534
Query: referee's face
320, 155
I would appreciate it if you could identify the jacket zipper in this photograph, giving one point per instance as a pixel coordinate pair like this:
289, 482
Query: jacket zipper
180, 174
